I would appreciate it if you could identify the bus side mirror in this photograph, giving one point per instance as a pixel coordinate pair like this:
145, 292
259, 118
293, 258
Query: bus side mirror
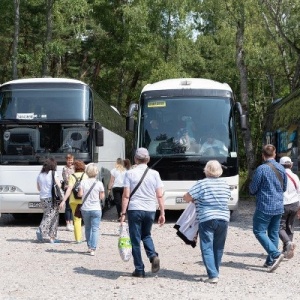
130, 124
243, 118
129, 119
99, 135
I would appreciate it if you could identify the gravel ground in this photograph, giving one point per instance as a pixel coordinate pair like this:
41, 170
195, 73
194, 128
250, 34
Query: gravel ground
31, 270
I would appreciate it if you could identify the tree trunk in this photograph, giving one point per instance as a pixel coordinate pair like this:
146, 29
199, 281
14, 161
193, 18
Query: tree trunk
240, 60
16, 40
45, 69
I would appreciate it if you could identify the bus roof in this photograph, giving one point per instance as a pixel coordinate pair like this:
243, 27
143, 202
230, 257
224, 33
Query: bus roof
43, 80
187, 83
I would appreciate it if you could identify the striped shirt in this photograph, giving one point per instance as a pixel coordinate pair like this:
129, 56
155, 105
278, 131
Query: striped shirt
267, 188
211, 197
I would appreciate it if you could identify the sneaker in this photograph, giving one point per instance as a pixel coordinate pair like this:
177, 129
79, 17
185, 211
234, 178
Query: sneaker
92, 253
70, 227
290, 247
54, 241
276, 263
140, 275
213, 280
155, 264
39, 235
266, 265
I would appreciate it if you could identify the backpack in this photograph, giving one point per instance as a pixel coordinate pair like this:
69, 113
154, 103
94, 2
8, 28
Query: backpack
76, 186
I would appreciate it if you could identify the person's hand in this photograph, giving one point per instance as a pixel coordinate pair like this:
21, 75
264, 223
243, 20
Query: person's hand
62, 204
122, 218
161, 220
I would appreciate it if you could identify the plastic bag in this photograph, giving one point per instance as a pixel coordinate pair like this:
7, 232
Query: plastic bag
124, 243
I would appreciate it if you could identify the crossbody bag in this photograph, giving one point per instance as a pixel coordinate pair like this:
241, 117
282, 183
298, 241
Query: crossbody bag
78, 207
139, 183
137, 186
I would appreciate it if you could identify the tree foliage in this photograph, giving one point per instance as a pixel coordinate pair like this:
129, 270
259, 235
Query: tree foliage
118, 46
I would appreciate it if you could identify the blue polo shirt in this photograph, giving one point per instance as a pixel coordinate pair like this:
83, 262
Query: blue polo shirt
267, 188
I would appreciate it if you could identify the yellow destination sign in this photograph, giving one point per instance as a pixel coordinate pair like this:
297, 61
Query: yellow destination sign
157, 104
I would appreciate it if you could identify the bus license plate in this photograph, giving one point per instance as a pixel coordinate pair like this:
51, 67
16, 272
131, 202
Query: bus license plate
34, 205
179, 200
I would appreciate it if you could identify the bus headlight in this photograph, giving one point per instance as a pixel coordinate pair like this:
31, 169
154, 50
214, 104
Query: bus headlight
9, 189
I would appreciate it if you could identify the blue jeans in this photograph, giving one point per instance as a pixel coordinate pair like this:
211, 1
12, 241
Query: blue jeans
91, 219
140, 224
68, 211
266, 230
212, 235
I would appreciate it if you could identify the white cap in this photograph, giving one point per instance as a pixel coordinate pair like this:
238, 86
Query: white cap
142, 153
285, 160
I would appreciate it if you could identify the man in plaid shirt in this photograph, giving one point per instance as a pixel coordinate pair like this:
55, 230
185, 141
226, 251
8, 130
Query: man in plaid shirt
268, 184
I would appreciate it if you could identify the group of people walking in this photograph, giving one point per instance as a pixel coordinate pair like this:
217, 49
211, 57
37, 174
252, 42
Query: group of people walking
141, 208
137, 190
91, 191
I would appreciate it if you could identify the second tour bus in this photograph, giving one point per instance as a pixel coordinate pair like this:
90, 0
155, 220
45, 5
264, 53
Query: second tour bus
184, 123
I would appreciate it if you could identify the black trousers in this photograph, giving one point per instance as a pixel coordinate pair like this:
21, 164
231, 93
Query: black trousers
117, 193
286, 230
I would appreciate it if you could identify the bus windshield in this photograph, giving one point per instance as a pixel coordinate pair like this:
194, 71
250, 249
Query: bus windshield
44, 103
187, 126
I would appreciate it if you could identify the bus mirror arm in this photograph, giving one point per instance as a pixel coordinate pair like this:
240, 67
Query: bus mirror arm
132, 108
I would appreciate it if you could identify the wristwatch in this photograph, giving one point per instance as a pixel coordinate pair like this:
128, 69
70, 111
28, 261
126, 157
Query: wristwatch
122, 214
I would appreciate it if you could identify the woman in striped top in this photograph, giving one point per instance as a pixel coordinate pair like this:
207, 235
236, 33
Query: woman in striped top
211, 196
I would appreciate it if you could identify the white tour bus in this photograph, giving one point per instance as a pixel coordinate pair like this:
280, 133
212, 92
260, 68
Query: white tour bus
51, 117
175, 119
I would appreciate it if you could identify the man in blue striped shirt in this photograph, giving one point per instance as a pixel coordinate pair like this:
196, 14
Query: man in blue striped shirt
268, 184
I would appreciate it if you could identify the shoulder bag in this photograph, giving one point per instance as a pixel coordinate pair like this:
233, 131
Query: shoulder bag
56, 192
78, 207
276, 173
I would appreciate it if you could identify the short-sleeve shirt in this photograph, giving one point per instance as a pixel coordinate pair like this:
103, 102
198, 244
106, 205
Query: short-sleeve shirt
211, 196
292, 193
71, 182
145, 196
119, 177
92, 202
66, 172
44, 181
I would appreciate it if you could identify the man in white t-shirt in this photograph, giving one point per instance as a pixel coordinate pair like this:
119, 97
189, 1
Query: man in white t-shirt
141, 209
291, 207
